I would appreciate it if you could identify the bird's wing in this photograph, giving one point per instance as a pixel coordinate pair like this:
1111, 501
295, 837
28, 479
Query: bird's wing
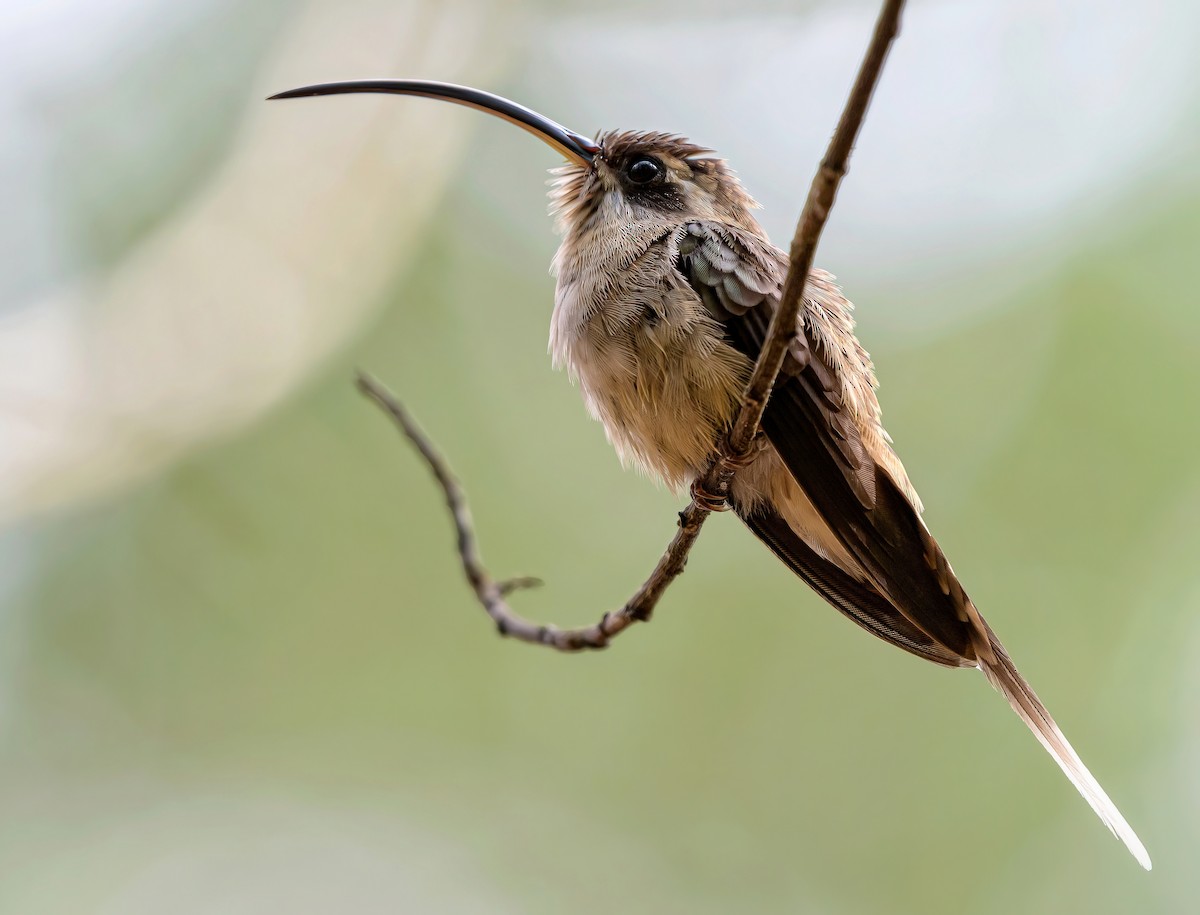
819, 420
815, 422
858, 600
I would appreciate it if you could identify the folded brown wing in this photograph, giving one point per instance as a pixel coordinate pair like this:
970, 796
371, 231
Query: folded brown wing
856, 599
738, 276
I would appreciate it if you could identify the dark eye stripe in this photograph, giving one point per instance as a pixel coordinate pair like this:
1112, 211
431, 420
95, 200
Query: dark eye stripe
660, 195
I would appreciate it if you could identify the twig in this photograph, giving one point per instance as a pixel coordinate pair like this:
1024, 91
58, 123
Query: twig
821, 194
491, 593
730, 454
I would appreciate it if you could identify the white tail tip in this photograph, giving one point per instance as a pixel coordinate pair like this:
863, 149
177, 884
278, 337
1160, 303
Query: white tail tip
1003, 675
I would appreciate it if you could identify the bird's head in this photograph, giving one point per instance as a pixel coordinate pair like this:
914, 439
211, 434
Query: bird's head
637, 177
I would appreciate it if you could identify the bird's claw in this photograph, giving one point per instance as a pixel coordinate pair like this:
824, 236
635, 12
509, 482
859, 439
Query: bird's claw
707, 500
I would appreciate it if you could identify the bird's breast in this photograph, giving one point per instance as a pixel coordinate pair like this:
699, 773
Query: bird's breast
652, 362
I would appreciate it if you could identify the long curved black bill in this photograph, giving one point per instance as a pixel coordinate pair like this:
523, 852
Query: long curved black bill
575, 147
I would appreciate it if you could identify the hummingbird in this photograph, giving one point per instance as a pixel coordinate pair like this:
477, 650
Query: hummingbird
666, 284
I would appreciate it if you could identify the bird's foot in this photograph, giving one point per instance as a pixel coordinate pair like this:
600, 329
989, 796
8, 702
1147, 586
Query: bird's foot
738, 461
707, 500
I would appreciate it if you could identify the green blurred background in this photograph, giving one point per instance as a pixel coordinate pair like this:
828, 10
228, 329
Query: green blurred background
240, 671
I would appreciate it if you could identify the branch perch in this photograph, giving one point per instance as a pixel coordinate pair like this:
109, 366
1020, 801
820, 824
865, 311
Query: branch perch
821, 196
491, 593
730, 453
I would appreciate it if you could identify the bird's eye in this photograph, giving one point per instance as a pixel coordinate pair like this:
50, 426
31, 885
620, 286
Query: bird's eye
644, 169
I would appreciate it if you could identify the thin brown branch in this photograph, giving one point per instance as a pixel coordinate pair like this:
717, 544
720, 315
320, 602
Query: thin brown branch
492, 593
817, 207
731, 453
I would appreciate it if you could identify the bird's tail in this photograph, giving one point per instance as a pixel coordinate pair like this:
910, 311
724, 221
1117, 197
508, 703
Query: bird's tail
1003, 674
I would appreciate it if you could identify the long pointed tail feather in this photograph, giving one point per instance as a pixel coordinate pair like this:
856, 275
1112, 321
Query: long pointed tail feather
1003, 675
